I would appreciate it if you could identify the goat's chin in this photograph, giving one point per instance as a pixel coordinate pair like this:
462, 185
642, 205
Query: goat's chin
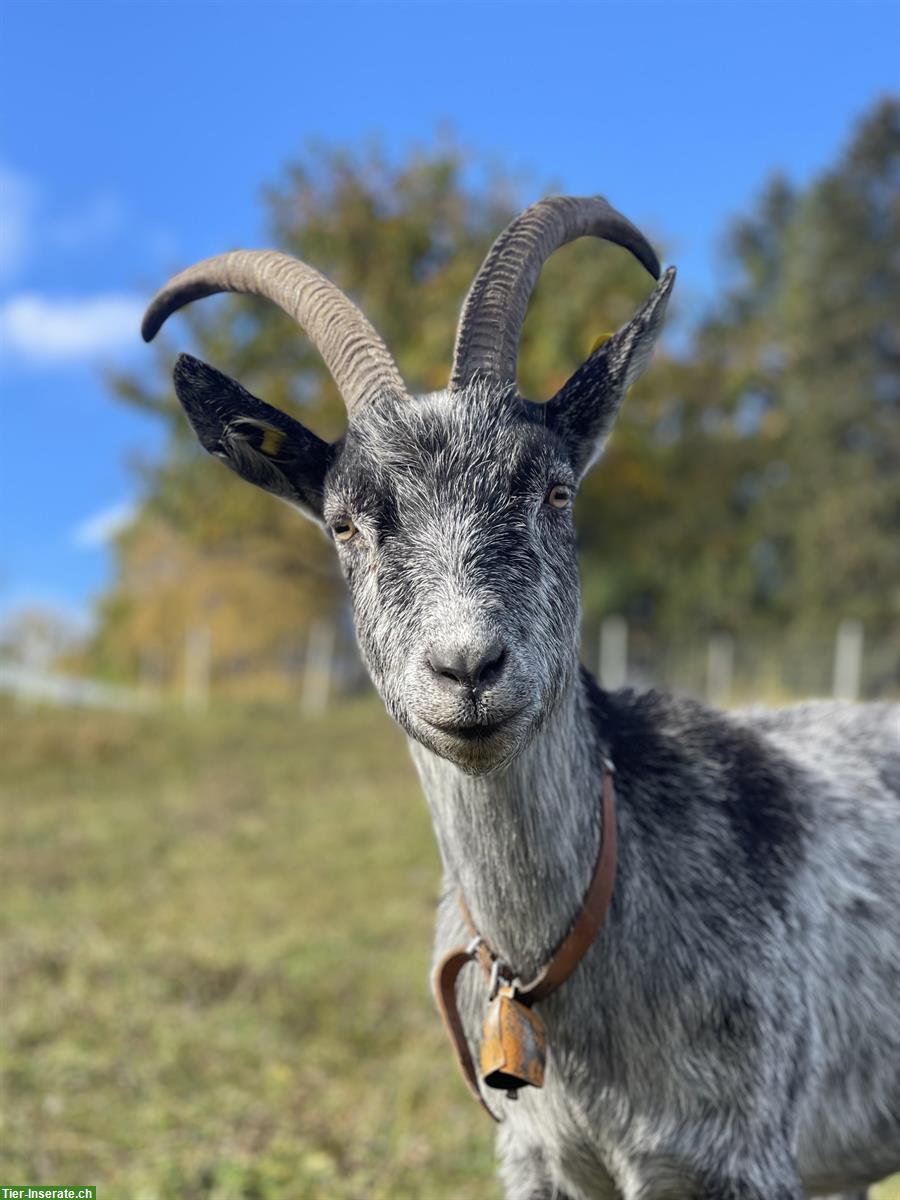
473, 751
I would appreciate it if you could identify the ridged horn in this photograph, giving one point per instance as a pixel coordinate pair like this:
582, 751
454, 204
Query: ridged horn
487, 340
357, 358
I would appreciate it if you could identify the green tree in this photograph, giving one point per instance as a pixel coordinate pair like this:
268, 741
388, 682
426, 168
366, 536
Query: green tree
752, 484
404, 240
804, 367
755, 486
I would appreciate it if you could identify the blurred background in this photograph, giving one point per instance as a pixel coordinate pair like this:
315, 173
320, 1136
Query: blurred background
218, 873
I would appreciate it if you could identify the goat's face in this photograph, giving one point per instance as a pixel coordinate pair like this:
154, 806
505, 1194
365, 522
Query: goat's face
451, 513
452, 519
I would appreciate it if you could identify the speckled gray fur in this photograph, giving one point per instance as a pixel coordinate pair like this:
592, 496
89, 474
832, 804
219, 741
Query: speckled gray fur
734, 1031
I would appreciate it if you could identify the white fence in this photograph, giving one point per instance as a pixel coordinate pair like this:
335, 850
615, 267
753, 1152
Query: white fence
723, 669
31, 686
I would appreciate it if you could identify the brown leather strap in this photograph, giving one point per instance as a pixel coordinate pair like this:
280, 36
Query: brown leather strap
594, 908
482, 952
445, 978
566, 958
584, 928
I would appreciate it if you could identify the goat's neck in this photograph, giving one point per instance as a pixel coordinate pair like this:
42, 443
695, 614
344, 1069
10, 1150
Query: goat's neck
520, 843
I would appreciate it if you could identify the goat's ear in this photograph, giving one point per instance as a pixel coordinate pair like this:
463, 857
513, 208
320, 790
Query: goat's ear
584, 410
264, 446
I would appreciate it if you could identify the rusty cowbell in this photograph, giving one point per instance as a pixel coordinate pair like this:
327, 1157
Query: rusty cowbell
513, 1044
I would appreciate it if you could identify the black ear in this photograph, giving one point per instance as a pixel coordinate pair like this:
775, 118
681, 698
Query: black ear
584, 410
264, 446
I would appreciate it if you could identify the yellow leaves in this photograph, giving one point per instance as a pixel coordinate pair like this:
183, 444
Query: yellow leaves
252, 602
600, 340
272, 440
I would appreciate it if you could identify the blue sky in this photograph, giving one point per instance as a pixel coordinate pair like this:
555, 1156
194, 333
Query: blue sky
137, 137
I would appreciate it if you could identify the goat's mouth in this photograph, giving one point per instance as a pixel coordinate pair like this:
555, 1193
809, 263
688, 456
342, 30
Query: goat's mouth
475, 731
476, 746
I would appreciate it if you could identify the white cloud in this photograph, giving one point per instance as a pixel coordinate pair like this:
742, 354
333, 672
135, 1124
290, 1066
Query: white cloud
100, 528
41, 330
31, 219
60, 330
18, 197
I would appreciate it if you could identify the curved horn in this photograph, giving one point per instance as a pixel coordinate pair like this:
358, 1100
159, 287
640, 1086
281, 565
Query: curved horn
487, 341
357, 358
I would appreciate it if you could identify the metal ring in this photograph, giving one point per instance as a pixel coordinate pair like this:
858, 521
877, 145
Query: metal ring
472, 948
499, 971
494, 983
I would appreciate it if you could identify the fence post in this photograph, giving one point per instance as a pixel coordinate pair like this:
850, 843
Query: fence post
317, 672
848, 648
150, 672
719, 668
197, 665
613, 652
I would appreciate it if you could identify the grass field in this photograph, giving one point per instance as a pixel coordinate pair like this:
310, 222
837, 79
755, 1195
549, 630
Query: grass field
216, 938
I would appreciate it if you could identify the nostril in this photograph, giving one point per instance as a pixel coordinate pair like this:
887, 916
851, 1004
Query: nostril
491, 663
468, 666
448, 665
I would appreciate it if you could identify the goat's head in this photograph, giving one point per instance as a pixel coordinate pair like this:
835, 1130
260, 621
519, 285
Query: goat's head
451, 512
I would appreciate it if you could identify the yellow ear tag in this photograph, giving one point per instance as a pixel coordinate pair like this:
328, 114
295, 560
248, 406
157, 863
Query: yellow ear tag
272, 441
598, 342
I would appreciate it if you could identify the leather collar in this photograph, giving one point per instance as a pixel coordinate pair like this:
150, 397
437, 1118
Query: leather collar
568, 954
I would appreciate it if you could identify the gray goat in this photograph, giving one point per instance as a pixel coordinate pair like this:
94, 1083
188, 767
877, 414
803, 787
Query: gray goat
733, 1031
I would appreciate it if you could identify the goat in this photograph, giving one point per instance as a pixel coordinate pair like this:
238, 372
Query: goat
733, 1030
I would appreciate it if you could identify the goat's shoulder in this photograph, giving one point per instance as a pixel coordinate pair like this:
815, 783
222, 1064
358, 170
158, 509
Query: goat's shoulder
859, 743
770, 792
705, 785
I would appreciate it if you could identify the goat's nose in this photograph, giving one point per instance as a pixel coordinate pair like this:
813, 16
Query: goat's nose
472, 666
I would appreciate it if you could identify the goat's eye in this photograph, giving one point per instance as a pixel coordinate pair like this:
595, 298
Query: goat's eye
343, 530
560, 496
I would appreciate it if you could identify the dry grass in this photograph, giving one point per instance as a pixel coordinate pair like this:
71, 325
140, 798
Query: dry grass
216, 941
